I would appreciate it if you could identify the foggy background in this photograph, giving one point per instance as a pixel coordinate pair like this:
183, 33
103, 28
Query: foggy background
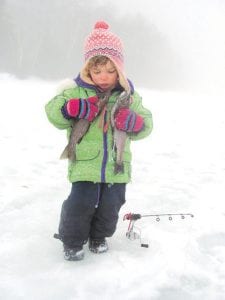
175, 55
169, 44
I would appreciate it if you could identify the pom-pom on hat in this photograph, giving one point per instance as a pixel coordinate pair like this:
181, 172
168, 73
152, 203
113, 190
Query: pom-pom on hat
101, 41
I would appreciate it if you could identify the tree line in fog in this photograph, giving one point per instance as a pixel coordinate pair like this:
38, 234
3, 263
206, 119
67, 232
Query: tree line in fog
45, 39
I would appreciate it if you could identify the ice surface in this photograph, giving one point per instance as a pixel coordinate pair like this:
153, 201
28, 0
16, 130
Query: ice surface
179, 168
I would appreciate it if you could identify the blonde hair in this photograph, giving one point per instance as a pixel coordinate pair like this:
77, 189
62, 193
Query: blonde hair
102, 60
97, 60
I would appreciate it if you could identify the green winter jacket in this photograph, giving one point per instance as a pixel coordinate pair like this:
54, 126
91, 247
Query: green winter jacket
94, 154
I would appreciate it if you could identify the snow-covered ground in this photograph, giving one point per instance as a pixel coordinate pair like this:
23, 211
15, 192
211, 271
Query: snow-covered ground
179, 169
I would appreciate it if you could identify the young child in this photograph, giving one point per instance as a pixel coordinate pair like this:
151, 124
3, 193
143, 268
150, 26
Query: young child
91, 211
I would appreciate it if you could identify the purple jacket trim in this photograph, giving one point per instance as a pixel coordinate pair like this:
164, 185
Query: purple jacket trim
105, 151
84, 84
65, 113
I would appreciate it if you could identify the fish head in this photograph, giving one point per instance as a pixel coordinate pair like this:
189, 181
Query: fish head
103, 98
123, 100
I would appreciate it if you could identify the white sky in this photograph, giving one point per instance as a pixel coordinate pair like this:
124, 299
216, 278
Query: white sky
195, 29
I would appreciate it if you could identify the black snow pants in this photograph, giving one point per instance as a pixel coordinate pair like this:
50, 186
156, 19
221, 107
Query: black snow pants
91, 211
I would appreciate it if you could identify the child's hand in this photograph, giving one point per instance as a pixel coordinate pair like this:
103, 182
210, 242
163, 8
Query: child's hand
129, 121
81, 108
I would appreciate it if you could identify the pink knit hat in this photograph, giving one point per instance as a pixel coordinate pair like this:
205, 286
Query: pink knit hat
101, 41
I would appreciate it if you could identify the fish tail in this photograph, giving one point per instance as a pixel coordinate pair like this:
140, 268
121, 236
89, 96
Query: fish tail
68, 153
118, 168
65, 153
71, 156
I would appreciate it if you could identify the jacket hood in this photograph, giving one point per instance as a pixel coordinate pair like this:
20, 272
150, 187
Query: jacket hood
78, 81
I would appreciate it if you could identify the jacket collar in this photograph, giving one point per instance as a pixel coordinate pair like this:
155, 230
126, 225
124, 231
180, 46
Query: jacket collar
84, 84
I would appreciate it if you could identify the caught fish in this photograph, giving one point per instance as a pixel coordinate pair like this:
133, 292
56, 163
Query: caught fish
80, 128
119, 136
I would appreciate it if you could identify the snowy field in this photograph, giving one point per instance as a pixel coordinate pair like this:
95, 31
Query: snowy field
180, 168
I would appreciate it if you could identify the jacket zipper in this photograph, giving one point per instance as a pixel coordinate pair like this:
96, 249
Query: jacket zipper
105, 150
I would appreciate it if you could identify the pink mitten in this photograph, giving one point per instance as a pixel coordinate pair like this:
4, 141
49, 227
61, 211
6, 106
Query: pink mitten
81, 108
128, 120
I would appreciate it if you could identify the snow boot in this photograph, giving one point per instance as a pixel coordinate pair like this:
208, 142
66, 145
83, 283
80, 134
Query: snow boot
73, 254
98, 245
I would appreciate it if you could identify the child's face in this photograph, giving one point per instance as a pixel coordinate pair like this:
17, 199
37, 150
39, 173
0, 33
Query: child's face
104, 76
